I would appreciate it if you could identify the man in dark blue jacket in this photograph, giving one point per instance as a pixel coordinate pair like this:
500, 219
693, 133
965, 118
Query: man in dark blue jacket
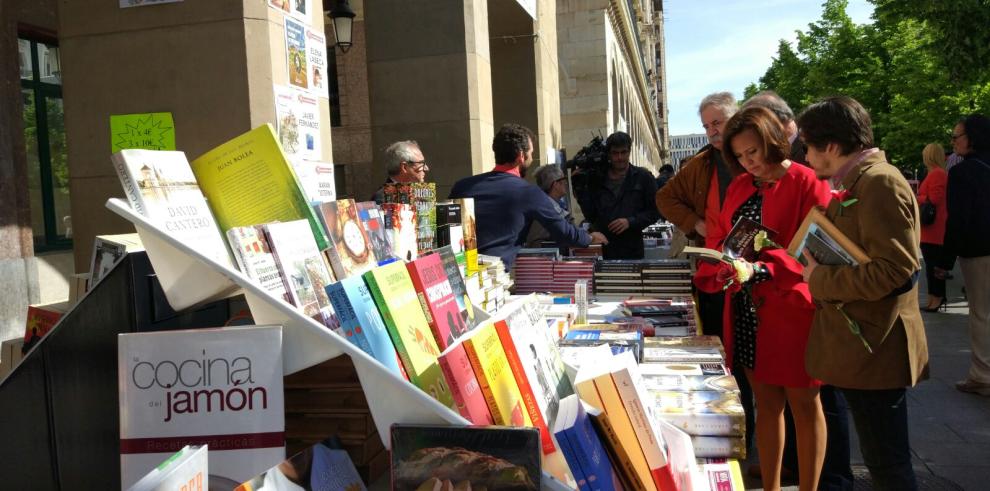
505, 204
621, 202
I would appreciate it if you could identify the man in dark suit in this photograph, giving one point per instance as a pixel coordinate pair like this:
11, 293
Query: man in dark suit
867, 338
778, 106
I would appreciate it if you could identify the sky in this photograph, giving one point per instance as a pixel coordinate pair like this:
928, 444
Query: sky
719, 45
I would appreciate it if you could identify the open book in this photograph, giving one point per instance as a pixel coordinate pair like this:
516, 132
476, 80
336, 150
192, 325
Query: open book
740, 243
825, 242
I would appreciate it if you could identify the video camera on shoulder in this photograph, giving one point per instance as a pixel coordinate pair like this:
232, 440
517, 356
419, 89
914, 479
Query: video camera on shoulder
592, 161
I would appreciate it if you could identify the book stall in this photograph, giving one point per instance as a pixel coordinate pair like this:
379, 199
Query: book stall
378, 349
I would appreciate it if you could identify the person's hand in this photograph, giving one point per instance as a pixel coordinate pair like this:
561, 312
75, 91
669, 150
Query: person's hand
618, 226
812, 264
940, 273
700, 227
598, 238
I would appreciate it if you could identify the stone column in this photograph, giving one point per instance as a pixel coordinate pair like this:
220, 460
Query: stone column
429, 75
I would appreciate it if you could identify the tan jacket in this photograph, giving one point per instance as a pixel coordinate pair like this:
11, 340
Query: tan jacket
682, 200
884, 222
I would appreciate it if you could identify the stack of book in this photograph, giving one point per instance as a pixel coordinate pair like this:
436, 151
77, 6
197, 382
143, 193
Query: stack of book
652, 277
533, 270
670, 316
618, 277
694, 391
490, 286
567, 272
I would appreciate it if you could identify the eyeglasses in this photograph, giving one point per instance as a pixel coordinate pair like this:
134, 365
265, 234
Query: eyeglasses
960, 135
418, 166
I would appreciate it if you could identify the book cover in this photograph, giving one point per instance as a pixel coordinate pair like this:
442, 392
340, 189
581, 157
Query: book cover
437, 299
188, 470
107, 250
302, 268
40, 320
360, 321
722, 476
374, 224
448, 458
585, 454
216, 387
398, 192
249, 180
400, 226
535, 363
255, 259
425, 200
707, 413
491, 367
406, 323
826, 243
161, 186
594, 385
470, 233
463, 383
321, 467
352, 253
459, 286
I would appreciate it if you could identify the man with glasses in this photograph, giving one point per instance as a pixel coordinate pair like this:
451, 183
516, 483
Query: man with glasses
552, 181
405, 163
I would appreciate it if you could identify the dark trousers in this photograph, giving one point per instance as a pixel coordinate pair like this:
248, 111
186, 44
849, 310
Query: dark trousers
880, 417
836, 471
934, 257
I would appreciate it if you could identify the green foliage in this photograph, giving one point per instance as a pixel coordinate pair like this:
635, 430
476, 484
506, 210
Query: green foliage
893, 66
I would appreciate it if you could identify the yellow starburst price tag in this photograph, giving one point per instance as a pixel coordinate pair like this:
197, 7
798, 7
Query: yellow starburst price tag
148, 131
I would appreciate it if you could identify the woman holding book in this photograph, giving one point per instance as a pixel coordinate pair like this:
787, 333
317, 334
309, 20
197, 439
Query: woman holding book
769, 310
932, 190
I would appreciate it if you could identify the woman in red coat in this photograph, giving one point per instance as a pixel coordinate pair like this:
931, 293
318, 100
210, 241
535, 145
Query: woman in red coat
769, 310
932, 190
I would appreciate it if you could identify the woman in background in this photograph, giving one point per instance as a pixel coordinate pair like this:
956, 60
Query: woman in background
769, 310
932, 190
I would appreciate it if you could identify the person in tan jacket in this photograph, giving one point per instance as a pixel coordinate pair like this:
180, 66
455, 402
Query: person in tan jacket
867, 337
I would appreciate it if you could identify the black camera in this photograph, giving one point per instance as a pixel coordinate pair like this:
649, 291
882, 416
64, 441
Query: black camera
592, 161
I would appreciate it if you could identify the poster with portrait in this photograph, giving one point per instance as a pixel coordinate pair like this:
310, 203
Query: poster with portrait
316, 62
297, 121
300, 9
295, 53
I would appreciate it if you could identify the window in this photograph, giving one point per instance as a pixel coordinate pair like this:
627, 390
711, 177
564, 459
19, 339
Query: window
44, 141
333, 86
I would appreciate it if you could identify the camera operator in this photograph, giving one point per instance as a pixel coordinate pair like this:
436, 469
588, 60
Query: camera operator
619, 201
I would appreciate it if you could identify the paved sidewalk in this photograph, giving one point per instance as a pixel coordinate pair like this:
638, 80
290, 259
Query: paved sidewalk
949, 430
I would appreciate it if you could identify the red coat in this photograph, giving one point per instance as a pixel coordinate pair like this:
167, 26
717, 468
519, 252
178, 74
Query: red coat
784, 307
933, 188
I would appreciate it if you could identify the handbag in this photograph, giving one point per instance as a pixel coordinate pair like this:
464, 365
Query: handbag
927, 211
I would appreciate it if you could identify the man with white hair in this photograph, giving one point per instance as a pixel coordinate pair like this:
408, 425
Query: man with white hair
778, 106
405, 163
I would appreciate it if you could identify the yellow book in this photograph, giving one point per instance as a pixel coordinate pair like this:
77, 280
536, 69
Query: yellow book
248, 181
594, 385
406, 324
491, 367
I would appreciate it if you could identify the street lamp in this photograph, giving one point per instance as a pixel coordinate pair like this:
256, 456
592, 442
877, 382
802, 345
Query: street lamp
343, 22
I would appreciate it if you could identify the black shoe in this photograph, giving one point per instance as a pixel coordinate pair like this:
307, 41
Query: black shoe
942, 306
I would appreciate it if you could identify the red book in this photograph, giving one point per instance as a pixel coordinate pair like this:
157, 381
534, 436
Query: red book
463, 384
437, 299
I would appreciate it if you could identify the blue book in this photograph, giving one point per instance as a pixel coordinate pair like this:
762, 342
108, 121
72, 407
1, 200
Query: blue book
360, 321
582, 448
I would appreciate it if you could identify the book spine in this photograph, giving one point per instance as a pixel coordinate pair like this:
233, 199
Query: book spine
649, 440
613, 405
130, 185
486, 388
618, 453
347, 316
718, 446
464, 386
572, 459
708, 424
528, 397
391, 327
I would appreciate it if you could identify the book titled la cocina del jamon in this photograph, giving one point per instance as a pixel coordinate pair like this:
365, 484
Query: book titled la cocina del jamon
218, 387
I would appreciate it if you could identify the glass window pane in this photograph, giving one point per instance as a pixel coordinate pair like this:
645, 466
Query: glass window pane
24, 55
33, 168
48, 64
60, 166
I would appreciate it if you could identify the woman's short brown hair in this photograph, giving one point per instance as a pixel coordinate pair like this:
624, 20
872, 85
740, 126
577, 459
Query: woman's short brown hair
765, 124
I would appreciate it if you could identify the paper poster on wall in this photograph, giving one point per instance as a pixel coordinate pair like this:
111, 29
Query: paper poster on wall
148, 131
301, 9
295, 52
281, 5
317, 179
143, 3
316, 60
297, 119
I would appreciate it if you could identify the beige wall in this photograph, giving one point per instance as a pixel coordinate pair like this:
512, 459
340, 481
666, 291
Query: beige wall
211, 64
429, 74
352, 140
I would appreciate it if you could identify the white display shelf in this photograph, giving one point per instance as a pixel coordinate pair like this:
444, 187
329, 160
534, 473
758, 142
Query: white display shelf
189, 278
